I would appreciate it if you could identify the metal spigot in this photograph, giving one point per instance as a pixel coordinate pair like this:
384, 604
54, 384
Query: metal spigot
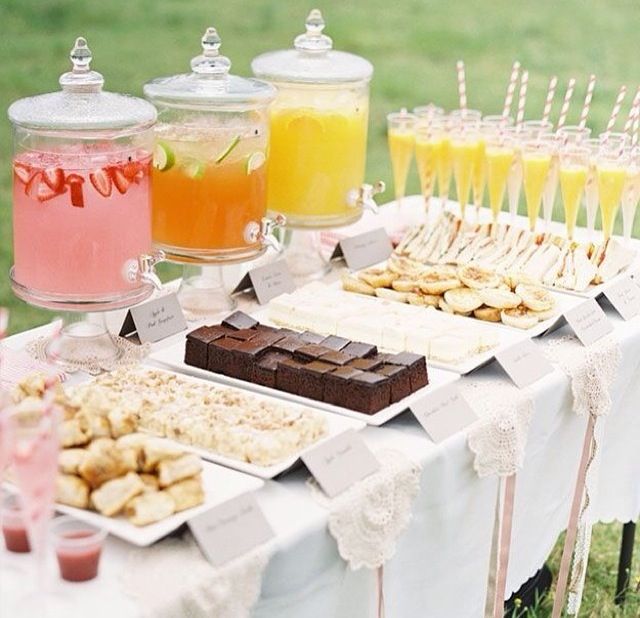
143, 269
264, 233
362, 197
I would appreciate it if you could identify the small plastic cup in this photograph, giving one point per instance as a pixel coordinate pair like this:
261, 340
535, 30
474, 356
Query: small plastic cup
78, 547
14, 529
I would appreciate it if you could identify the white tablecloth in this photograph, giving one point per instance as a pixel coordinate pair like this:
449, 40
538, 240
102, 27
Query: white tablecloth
441, 565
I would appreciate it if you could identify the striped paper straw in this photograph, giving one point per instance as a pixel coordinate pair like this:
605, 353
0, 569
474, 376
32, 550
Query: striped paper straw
636, 127
564, 110
551, 92
462, 85
616, 110
633, 112
522, 99
511, 88
587, 102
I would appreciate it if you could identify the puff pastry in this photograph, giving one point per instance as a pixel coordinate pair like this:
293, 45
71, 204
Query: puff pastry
157, 450
149, 507
72, 491
186, 494
171, 471
150, 481
69, 460
74, 432
112, 497
101, 466
122, 422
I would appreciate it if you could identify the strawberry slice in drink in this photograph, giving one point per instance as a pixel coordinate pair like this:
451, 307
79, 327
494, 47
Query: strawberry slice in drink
131, 169
31, 188
75, 183
54, 177
23, 172
45, 192
119, 179
101, 181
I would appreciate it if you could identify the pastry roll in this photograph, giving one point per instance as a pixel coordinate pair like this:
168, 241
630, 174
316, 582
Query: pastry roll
101, 445
98, 425
74, 432
171, 471
157, 450
186, 494
122, 422
150, 507
150, 481
69, 460
72, 491
129, 458
112, 497
101, 466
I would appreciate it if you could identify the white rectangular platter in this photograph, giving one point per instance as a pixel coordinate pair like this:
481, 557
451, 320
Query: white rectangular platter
173, 357
219, 483
335, 424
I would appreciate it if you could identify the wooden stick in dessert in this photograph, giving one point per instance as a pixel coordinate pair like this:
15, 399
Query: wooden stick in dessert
564, 110
511, 88
462, 86
633, 112
522, 99
616, 110
551, 92
587, 102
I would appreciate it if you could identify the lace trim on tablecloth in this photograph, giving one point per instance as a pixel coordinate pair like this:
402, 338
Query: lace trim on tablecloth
172, 579
368, 518
498, 439
127, 354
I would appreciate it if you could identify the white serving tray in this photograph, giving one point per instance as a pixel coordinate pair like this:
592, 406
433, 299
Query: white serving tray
335, 424
219, 483
173, 357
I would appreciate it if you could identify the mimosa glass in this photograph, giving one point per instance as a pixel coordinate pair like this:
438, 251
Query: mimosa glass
426, 160
591, 201
499, 156
536, 161
631, 194
464, 146
574, 165
401, 137
612, 175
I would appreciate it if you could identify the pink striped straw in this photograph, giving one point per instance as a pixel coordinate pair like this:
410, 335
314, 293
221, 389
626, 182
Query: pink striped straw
511, 88
564, 110
462, 86
522, 99
551, 92
616, 110
633, 112
636, 126
587, 102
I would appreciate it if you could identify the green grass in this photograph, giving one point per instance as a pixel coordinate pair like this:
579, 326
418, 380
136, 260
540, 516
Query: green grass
413, 44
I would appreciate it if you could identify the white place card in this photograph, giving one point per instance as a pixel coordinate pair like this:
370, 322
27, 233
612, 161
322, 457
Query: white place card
267, 281
364, 250
231, 529
154, 320
340, 462
624, 295
588, 321
443, 413
524, 363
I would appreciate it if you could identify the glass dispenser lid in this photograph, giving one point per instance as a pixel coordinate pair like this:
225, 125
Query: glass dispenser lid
82, 104
209, 83
313, 59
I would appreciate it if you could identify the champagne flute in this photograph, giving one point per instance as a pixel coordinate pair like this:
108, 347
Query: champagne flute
401, 137
536, 161
611, 166
631, 193
572, 135
514, 179
574, 165
591, 187
464, 146
499, 155
427, 124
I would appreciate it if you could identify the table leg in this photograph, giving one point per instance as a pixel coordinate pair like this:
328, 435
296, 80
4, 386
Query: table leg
624, 563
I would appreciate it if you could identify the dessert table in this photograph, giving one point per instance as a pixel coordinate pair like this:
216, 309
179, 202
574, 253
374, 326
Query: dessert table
441, 563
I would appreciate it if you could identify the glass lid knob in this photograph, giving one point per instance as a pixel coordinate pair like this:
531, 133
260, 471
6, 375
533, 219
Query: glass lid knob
313, 40
81, 78
210, 62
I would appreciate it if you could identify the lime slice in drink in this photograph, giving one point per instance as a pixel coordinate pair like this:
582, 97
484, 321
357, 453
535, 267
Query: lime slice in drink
163, 157
227, 151
194, 169
255, 161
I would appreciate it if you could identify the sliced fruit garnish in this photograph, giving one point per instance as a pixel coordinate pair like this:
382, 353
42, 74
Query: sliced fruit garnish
130, 169
194, 169
23, 172
227, 151
54, 177
75, 183
45, 192
139, 176
255, 161
163, 157
31, 188
101, 180
119, 179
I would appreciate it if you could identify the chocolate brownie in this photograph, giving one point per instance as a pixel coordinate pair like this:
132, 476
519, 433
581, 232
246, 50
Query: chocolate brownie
336, 358
288, 344
243, 334
243, 358
399, 381
361, 350
264, 371
288, 376
334, 342
366, 364
368, 392
336, 384
219, 354
415, 363
312, 379
195, 352
310, 337
239, 320
310, 352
